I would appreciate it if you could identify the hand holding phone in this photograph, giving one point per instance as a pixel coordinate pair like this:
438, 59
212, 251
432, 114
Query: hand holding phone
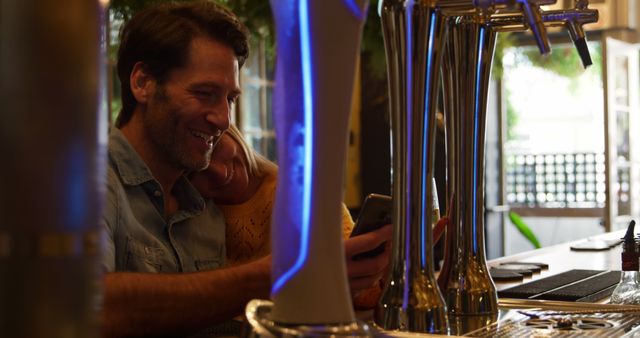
377, 211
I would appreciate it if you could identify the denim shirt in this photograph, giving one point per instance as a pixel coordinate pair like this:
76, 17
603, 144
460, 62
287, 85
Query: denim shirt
138, 238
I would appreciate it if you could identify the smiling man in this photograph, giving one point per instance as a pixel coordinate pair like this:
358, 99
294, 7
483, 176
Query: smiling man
178, 65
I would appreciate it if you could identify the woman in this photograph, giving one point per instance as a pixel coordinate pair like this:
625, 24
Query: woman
242, 183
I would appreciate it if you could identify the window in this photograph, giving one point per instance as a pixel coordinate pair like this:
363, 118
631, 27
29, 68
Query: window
255, 113
555, 149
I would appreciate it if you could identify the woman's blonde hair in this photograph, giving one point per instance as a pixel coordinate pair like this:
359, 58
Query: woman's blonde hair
258, 165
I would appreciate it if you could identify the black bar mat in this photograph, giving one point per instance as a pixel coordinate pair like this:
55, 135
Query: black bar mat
501, 275
598, 296
583, 288
539, 286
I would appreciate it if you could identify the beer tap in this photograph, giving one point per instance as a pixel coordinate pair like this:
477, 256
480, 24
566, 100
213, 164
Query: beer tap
464, 278
417, 34
413, 34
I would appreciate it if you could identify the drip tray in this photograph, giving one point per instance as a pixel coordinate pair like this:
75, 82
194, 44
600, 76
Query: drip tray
544, 318
563, 325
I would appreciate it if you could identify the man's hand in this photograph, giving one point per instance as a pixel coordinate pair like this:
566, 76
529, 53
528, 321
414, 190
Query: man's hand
365, 273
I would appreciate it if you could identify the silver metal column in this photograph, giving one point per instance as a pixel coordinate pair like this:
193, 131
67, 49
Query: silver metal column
413, 35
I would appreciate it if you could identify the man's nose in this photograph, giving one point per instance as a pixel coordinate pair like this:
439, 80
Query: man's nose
219, 115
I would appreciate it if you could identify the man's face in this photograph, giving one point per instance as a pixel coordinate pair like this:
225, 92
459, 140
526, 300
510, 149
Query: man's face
187, 113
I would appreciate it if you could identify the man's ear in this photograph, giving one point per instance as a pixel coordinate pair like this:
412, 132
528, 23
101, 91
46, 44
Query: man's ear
141, 82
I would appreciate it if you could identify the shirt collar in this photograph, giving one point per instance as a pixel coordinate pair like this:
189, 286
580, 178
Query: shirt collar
132, 169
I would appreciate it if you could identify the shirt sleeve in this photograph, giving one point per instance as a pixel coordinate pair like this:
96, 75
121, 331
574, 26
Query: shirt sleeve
108, 249
108, 225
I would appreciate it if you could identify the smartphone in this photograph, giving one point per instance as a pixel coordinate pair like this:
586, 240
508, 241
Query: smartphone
376, 211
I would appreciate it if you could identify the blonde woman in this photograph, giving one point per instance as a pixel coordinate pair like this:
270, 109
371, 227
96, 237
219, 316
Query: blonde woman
242, 184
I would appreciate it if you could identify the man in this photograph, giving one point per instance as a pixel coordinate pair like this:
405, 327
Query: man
179, 69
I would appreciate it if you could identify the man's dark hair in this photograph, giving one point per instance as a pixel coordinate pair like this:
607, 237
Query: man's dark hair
159, 37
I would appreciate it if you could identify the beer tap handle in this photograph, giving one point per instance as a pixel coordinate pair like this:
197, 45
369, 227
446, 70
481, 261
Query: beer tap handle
533, 17
580, 41
573, 20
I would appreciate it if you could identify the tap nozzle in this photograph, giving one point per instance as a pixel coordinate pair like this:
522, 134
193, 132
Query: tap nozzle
531, 11
580, 41
533, 17
570, 19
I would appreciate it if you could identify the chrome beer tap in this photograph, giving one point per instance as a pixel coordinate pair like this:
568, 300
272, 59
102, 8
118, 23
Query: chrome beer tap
464, 279
415, 35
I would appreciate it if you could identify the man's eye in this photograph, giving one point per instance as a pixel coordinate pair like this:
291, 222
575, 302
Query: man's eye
205, 94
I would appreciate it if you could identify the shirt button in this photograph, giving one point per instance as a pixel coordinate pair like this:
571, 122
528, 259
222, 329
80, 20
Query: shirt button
157, 193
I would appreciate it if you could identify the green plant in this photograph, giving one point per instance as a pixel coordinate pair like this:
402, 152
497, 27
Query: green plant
257, 16
504, 41
524, 229
373, 44
512, 118
124, 9
564, 61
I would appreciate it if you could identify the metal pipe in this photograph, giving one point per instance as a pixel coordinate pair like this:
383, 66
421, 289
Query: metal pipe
513, 21
572, 19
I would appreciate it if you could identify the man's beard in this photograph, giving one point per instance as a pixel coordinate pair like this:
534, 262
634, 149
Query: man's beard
162, 128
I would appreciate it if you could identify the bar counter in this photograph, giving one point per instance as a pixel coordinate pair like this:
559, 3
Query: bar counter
561, 258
